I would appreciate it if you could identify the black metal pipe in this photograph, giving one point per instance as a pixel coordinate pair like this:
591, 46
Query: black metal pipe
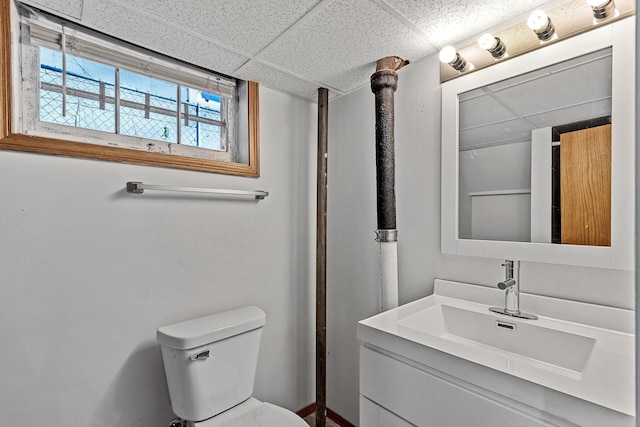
384, 83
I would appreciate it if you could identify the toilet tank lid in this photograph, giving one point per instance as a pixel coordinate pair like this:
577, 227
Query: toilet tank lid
208, 329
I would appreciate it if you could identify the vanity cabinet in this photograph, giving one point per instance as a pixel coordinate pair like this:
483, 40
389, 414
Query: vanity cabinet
438, 362
396, 392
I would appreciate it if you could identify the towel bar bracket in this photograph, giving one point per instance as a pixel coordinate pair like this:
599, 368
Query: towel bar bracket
135, 187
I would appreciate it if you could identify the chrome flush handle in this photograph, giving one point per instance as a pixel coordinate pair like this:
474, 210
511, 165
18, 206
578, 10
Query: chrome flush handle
200, 356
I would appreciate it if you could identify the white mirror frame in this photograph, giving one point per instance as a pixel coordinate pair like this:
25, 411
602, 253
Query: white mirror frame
620, 36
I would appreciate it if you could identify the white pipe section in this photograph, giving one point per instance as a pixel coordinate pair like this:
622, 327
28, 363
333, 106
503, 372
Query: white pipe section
388, 275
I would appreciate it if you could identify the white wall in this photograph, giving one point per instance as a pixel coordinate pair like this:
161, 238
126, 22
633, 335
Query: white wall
88, 272
352, 264
495, 168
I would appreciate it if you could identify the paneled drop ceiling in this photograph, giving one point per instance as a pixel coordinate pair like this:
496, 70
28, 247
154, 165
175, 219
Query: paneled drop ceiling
294, 46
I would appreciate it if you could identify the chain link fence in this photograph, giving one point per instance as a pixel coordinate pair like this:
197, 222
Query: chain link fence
90, 104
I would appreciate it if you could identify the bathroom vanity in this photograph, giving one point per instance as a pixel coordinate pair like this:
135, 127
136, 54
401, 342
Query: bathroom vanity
446, 360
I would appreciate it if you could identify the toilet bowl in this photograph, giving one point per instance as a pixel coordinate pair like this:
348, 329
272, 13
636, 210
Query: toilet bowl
253, 413
210, 364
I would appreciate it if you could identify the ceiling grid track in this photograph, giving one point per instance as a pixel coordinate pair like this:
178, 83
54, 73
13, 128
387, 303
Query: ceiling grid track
339, 61
406, 22
303, 19
293, 74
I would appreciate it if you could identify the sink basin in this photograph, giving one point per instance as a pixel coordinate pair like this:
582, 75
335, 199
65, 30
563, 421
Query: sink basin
523, 338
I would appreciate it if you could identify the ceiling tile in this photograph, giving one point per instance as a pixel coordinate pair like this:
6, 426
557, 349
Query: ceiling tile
117, 20
245, 25
480, 108
448, 22
278, 80
72, 8
570, 91
340, 45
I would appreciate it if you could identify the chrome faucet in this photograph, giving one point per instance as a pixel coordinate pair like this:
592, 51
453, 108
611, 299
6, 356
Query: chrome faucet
511, 287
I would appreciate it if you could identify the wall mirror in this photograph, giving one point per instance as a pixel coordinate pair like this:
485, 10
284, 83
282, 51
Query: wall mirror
537, 154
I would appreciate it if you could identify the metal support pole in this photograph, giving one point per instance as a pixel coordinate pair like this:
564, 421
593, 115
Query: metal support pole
637, 218
321, 259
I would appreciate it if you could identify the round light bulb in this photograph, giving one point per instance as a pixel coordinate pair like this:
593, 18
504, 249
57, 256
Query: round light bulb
487, 41
537, 20
603, 9
597, 3
447, 54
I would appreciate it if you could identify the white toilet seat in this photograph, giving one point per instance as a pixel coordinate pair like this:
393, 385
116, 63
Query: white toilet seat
253, 413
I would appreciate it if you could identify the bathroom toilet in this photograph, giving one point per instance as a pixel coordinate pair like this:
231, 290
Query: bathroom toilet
210, 364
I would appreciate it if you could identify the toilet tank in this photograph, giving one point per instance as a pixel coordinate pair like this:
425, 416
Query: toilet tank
210, 362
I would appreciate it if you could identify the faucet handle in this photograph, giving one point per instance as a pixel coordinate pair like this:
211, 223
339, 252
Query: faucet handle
506, 284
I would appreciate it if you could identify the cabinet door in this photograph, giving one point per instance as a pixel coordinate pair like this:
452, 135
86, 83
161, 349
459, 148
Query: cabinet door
372, 415
427, 400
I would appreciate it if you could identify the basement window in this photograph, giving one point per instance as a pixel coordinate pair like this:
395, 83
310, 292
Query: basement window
124, 103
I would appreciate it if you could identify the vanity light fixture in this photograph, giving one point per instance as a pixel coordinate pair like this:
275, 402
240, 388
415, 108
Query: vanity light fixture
603, 9
494, 45
449, 55
541, 24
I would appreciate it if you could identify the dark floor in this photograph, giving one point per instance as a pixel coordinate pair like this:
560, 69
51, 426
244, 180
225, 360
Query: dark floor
311, 420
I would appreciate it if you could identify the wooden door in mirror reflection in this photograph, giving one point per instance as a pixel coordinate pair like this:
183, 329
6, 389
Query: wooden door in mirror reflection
585, 186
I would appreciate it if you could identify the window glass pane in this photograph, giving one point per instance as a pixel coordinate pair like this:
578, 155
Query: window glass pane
201, 123
90, 92
147, 107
